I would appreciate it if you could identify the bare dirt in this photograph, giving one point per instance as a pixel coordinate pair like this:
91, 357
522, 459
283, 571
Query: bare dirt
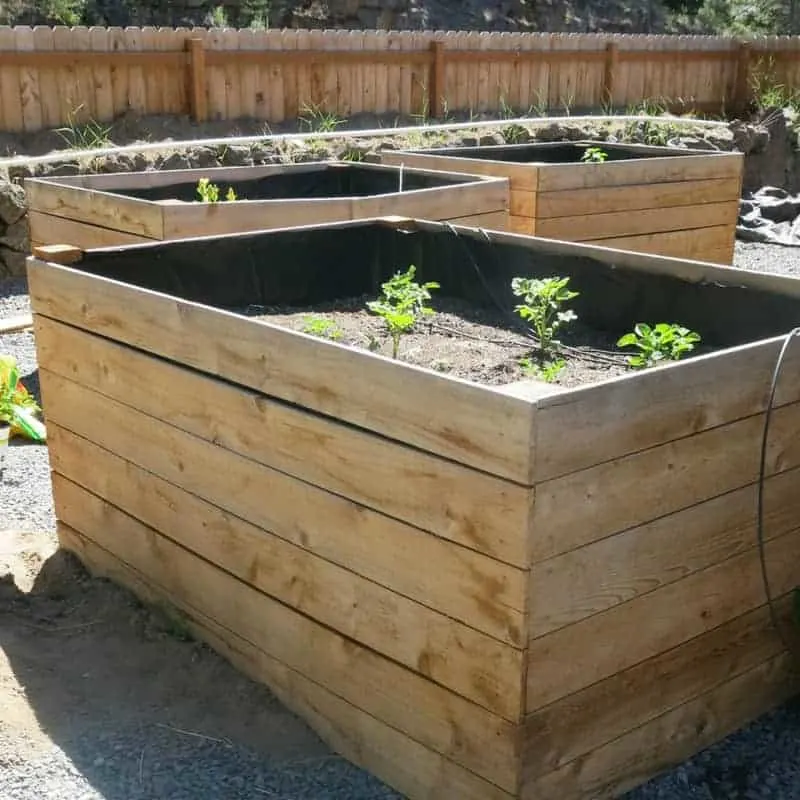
457, 339
81, 659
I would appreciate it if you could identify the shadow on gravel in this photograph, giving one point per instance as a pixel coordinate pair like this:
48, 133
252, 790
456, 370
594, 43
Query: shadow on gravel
138, 709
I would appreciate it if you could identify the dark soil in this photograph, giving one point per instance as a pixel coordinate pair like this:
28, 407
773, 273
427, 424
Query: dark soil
479, 345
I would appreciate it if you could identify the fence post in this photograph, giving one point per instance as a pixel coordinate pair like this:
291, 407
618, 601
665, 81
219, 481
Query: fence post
742, 93
436, 82
610, 74
198, 102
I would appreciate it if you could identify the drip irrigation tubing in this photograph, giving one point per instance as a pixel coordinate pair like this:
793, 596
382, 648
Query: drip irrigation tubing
760, 502
232, 141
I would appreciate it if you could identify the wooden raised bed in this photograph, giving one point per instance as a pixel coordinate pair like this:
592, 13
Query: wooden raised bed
126, 208
662, 200
476, 592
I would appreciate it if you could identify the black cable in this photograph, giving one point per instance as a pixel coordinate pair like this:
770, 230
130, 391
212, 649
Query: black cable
760, 502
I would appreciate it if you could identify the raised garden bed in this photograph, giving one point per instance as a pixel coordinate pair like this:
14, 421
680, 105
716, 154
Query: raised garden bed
125, 208
476, 589
662, 200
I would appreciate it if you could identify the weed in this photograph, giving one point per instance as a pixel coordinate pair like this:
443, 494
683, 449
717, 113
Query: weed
548, 370
324, 328
594, 155
84, 135
352, 154
515, 133
542, 308
209, 192
662, 342
402, 303
317, 120
652, 133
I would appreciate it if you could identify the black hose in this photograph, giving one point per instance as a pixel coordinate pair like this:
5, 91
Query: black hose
760, 502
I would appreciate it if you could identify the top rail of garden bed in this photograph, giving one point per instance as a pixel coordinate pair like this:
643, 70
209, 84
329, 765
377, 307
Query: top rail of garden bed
57, 76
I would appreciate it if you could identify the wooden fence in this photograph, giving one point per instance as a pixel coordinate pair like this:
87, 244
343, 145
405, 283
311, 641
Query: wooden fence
46, 74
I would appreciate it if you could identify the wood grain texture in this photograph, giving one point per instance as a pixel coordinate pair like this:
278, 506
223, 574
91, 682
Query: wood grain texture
606, 199
485, 671
49, 229
662, 620
700, 244
454, 727
669, 739
470, 424
358, 736
463, 505
126, 214
573, 726
617, 225
296, 511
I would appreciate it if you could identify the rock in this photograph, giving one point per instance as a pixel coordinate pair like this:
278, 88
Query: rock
693, 143
489, 139
12, 263
54, 170
552, 133
19, 172
235, 156
12, 202
468, 141
176, 161
749, 138
17, 236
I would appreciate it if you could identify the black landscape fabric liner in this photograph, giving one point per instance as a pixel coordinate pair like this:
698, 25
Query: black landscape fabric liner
322, 264
353, 180
554, 152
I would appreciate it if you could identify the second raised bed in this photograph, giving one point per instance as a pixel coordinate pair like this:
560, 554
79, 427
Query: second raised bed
662, 200
126, 208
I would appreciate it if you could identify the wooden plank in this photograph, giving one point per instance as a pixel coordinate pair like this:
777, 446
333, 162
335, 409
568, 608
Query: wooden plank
559, 177
591, 579
186, 220
450, 202
521, 176
361, 738
471, 424
698, 243
471, 588
456, 656
662, 619
484, 515
586, 720
523, 204
14, 324
630, 760
615, 225
428, 713
48, 229
89, 206
585, 506
525, 226
493, 222
570, 203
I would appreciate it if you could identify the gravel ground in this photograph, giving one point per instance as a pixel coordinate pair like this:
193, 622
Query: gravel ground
96, 756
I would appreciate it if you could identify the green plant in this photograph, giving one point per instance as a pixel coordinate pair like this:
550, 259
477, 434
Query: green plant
594, 155
548, 370
324, 328
87, 135
209, 192
652, 133
317, 120
543, 307
402, 303
661, 342
18, 409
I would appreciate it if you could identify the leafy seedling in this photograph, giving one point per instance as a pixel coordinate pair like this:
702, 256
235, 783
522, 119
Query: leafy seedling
209, 192
547, 371
401, 305
543, 308
594, 155
657, 344
324, 328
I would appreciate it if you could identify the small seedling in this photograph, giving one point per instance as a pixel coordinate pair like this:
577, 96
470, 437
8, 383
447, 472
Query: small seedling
324, 328
659, 343
594, 155
402, 303
209, 192
542, 308
547, 371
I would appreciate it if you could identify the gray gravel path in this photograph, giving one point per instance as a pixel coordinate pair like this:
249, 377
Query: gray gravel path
761, 762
